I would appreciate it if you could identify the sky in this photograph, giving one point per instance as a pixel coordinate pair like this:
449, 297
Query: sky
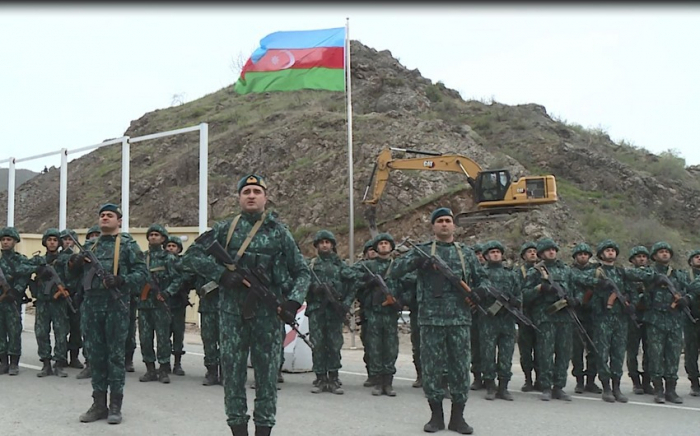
75, 75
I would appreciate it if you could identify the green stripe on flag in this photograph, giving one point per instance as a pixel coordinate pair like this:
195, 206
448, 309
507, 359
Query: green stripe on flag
292, 80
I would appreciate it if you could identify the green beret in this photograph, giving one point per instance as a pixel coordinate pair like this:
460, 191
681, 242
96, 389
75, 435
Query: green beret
582, 248
48, 233
441, 211
660, 246
639, 249
526, 246
251, 179
111, 207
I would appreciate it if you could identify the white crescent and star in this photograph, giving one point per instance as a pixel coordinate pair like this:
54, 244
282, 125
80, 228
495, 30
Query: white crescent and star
276, 60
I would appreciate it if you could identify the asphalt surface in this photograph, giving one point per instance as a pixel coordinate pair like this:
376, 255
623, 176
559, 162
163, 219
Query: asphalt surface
52, 405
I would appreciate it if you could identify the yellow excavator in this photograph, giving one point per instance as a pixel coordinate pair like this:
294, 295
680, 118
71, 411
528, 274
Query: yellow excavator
496, 194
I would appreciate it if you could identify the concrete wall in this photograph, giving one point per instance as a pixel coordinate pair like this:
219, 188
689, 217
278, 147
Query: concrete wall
30, 245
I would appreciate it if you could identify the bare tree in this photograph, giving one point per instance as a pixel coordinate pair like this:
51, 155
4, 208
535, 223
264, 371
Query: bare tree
178, 99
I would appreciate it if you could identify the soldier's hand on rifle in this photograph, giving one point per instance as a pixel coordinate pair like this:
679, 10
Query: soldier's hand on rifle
545, 287
76, 260
479, 292
43, 272
683, 301
229, 279
422, 262
160, 298
316, 289
112, 281
606, 284
288, 311
662, 279
513, 301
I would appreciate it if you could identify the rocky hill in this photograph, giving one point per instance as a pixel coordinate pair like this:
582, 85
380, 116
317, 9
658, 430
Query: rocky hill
21, 176
298, 141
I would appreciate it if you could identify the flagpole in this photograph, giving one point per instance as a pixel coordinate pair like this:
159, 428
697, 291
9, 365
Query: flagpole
351, 235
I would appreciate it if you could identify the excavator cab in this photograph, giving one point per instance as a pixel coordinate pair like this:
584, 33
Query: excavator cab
491, 185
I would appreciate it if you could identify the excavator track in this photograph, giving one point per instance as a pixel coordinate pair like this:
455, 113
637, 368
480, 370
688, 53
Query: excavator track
464, 219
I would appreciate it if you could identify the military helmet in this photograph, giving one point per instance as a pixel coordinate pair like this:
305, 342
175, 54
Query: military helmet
158, 228
477, 248
50, 232
639, 249
545, 244
324, 234
10, 232
369, 244
582, 248
93, 229
491, 245
692, 254
526, 246
660, 246
383, 237
608, 243
175, 240
65, 233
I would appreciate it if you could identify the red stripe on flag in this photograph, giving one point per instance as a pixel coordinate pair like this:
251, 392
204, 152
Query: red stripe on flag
277, 60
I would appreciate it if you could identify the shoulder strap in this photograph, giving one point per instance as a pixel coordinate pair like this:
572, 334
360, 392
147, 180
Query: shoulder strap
599, 273
388, 270
311, 264
117, 245
669, 271
459, 252
523, 271
231, 229
692, 274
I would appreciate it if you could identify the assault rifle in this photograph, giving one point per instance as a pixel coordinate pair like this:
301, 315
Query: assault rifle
254, 279
330, 295
381, 295
96, 269
457, 283
503, 301
615, 294
676, 296
153, 286
6, 288
61, 291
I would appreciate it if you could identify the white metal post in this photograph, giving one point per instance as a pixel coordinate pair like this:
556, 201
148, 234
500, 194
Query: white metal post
126, 159
203, 175
11, 193
63, 190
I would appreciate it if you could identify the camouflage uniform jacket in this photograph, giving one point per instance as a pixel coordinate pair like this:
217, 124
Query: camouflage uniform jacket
337, 274
365, 294
561, 274
18, 270
623, 279
658, 299
506, 282
162, 268
694, 292
37, 286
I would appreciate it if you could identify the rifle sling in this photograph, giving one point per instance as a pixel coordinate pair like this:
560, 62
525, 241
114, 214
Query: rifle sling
117, 245
248, 238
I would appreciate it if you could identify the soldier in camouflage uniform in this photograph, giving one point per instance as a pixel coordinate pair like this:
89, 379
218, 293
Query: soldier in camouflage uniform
178, 304
51, 308
381, 314
154, 311
444, 316
325, 323
368, 253
272, 249
208, 292
555, 335
17, 270
664, 319
641, 381
582, 253
478, 382
691, 331
75, 340
526, 334
92, 234
408, 284
498, 330
105, 314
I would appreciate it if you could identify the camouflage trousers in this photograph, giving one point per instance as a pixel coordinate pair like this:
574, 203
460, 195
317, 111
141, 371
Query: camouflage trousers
581, 347
526, 349
610, 338
105, 337
326, 333
445, 349
259, 336
691, 336
130, 344
497, 336
177, 330
553, 352
415, 338
10, 329
52, 314
634, 337
382, 342
209, 332
664, 348
363, 339
75, 338
476, 348
155, 322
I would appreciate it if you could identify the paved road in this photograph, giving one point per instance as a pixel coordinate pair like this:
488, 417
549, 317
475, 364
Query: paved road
34, 406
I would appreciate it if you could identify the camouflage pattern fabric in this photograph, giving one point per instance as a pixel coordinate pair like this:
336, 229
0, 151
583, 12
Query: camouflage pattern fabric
526, 334
18, 270
49, 313
579, 346
691, 332
635, 335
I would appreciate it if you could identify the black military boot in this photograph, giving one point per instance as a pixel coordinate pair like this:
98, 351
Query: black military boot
490, 389
659, 391
503, 393
115, 408
671, 395
378, 385
437, 418
559, 394
646, 385
210, 378
319, 378
591, 386
419, 378
177, 367
321, 385
607, 392
528, 386
371, 381
58, 368
457, 422
694, 387
4, 366
163, 372
637, 384
14, 365
74, 360
239, 430
98, 410
579, 384
280, 378
45, 369
619, 397
546, 393
478, 383
539, 387
262, 431
387, 388
86, 372
129, 361
151, 374
334, 383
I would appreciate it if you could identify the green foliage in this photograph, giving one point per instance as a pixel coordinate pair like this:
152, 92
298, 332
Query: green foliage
433, 93
669, 165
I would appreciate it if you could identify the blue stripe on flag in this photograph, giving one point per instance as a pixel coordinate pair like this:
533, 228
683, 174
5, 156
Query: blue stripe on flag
334, 37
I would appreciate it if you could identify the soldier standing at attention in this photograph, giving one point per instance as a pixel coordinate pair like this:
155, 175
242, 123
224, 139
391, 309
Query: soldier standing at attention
526, 334
178, 304
641, 381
